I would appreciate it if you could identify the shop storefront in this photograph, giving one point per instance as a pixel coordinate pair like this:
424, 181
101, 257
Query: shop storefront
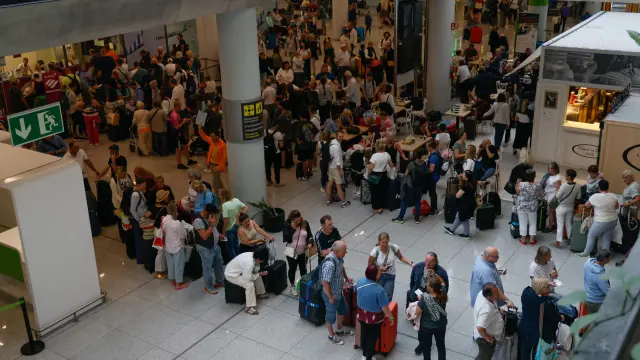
586, 74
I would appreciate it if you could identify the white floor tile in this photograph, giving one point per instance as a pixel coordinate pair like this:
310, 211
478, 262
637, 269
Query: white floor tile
221, 313
155, 290
210, 345
242, 348
156, 324
116, 345
279, 330
188, 336
243, 321
158, 354
122, 310
46, 354
77, 337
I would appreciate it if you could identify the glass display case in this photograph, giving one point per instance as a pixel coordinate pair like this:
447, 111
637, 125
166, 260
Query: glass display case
589, 105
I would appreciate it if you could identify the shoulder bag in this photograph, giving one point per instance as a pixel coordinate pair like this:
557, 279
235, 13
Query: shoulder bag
290, 252
555, 202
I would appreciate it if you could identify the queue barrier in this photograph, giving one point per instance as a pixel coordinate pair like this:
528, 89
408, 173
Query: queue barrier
32, 347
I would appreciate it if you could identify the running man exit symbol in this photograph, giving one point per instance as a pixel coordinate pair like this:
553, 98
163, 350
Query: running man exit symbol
35, 124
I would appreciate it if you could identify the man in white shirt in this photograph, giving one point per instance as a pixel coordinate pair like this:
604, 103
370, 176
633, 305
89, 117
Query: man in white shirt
170, 68
351, 89
177, 92
335, 171
463, 81
78, 155
244, 271
343, 60
488, 322
353, 36
24, 69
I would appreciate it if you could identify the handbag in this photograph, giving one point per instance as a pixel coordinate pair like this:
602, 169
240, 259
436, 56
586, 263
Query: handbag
375, 178
510, 188
545, 351
555, 202
158, 239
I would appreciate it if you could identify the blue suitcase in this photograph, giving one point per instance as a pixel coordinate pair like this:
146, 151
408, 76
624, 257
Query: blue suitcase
272, 41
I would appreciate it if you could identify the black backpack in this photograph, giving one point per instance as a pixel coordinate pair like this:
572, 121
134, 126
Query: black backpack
269, 144
420, 175
74, 81
386, 107
325, 154
125, 204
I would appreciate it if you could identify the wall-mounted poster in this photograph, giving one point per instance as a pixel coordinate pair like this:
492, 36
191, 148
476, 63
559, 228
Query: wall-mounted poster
550, 99
150, 39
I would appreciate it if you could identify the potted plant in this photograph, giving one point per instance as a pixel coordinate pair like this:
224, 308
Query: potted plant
272, 217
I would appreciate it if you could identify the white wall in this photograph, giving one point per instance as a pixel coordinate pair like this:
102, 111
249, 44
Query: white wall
51, 209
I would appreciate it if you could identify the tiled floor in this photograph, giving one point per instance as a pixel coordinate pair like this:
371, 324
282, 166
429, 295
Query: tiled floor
144, 318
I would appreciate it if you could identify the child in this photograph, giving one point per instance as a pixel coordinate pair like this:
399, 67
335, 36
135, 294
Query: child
368, 21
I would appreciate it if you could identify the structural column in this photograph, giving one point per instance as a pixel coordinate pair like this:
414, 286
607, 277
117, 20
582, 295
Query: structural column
439, 47
238, 43
540, 7
592, 7
339, 17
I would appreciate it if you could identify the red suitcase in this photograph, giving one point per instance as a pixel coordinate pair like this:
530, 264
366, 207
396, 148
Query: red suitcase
476, 35
351, 297
389, 332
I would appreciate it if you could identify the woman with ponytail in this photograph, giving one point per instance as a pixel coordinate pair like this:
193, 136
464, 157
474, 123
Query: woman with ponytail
433, 319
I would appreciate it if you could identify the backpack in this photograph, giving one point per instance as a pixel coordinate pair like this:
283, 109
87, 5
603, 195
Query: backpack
478, 169
269, 143
74, 81
65, 102
125, 204
395, 250
357, 161
325, 154
420, 175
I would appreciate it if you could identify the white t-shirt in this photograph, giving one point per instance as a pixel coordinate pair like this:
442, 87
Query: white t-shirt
605, 207
550, 187
468, 165
210, 87
335, 150
443, 137
380, 161
379, 257
523, 118
486, 315
80, 158
269, 95
277, 137
463, 73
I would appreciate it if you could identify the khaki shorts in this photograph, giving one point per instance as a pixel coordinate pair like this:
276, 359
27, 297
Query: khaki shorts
334, 175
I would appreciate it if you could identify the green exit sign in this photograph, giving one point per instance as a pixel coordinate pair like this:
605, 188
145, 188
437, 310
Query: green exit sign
35, 124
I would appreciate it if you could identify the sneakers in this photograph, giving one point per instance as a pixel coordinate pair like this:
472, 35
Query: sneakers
211, 291
465, 236
448, 231
417, 220
219, 285
321, 189
294, 292
279, 185
336, 340
356, 193
398, 221
182, 167
418, 351
345, 204
191, 162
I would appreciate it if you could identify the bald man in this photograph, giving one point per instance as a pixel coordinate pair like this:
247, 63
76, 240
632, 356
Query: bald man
485, 272
333, 276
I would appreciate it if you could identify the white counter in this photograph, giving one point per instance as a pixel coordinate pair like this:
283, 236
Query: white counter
582, 128
11, 239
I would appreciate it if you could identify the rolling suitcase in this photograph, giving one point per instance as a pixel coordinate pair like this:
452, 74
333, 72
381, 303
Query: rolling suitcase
506, 349
360, 31
365, 192
276, 279
541, 218
494, 199
233, 294
388, 333
514, 225
105, 205
469, 124
466, 34
452, 185
311, 306
486, 217
476, 35
129, 243
578, 239
393, 199
630, 228
449, 209
351, 297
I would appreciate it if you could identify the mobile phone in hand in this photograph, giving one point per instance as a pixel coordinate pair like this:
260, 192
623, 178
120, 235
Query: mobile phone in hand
502, 272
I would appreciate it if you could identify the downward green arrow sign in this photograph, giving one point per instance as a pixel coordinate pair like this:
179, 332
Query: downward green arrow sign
22, 131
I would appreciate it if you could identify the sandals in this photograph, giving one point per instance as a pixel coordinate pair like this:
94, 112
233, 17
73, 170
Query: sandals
533, 242
523, 242
251, 311
262, 296
181, 286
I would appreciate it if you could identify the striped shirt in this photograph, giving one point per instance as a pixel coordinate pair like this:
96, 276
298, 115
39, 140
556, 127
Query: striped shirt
543, 271
332, 273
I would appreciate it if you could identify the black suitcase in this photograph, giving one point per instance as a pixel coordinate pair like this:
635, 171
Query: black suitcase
470, 127
365, 192
450, 209
393, 195
94, 221
494, 199
311, 305
233, 294
630, 230
541, 215
486, 217
129, 243
466, 34
193, 266
276, 280
514, 226
105, 205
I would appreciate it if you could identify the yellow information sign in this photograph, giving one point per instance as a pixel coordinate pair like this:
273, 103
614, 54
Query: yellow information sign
252, 125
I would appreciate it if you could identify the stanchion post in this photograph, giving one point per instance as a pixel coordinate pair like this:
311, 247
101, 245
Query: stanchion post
33, 346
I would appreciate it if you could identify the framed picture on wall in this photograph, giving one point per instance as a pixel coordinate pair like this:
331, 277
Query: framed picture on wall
551, 99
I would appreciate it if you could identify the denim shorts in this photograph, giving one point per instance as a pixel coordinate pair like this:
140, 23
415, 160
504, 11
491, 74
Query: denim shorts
339, 307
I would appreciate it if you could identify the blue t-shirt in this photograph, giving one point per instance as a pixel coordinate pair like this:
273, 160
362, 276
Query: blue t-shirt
435, 159
329, 76
371, 296
483, 273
